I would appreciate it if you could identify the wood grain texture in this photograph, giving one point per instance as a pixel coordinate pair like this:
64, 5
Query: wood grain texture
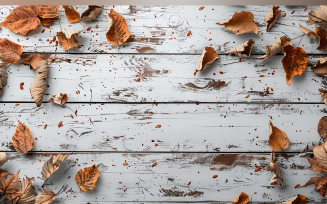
163, 29
165, 78
184, 127
167, 181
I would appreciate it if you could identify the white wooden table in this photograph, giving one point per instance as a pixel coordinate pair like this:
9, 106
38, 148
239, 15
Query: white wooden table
226, 134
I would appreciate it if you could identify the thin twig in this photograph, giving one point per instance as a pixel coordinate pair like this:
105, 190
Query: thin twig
82, 25
300, 40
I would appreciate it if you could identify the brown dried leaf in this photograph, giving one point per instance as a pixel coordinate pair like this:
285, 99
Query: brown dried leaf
320, 154
68, 38
318, 16
320, 183
322, 124
322, 38
294, 62
276, 47
271, 17
10, 185
308, 32
86, 179
320, 68
241, 199
117, 32
71, 14
3, 74
46, 22
38, 63
48, 11
90, 13
240, 23
299, 199
45, 197
316, 166
323, 94
26, 189
208, 56
60, 99
22, 139
243, 50
277, 138
3, 158
10, 51
52, 165
274, 168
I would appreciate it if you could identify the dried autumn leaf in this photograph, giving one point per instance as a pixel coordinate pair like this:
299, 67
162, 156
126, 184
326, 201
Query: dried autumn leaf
90, 13
45, 197
3, 158
240, 23
243, 50
3, 74
320, 155
241, 199
316, 165
308, 32
68, 38
60, 99
322, 39
117, 32
323, 94
46, 22
86, 179
10, 51
22, 19
277, 138
271, 17
274, 168
294, 62
318, 16
71, 14
320, 183
208, 56
322, 125
52, 165
9, 185
299, 199
40, 66
48, 11
276, 47
320, 68
26, 189
22, 139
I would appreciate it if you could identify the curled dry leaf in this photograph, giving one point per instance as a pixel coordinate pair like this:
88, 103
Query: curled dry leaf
322, 126
299, 199
294, 62
322, 39
320, 68
308, 32
3, 158
241, 199
3, 74
240, 23
318, 16
46, 22
52, 165
38, 63
10, 51
9, 184
274, 168
68, 38
243, 50
90, 13
320, 183
277, 138
276, 47
323, 94
208, 56
71, 14
272, 17
60, 99
26, 189
22, 139
86, 179
117, 32
45, 197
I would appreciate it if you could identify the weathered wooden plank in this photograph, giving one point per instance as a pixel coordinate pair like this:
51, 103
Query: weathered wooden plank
163, 29
184, 127
168, 180
165, 78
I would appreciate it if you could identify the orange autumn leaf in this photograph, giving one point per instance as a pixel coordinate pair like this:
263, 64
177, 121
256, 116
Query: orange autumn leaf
240, 23
294, 62
71, 14
46, 22
22, 139
117, 29
271, 17
277, 138
48, 11
9, 184
241, 199
10, 51
90, 13
208, 56
322, 39
86, 179
61, 99
67, 38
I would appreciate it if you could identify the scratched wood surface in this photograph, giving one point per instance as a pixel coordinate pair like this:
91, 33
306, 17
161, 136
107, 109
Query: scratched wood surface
115, 118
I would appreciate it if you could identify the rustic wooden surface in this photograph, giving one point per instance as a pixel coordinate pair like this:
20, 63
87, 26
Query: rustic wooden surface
225, 134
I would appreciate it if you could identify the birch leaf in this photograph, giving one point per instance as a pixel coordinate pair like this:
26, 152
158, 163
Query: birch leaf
276, 47
60, 99
318, 16
322, 39
320, 68
22, 139
26, 189
71, 14
299, 199
208, 56
38, 63
45, 197
243, 50
117, 32
9, 185
3, 158
52, 165
323, 94
240, 23
320, 183
68, 38
322, 125
272, 17
294, 62
277, 138
90, 13
308, 32
10, 51
241, 199
274, 168
86, 179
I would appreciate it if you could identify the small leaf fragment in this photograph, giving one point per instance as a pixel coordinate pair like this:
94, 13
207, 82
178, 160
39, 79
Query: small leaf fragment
274, 168
90, 13
3, 158
22, 139
240, 23
322, 124
320, 183
241, 199
320, 68
272, 17
299, 199
322, 38
67, 38
243, 50
60, 99
52, 165
86, 179
308, 32
71, 14
45, 197
276, 47
208, 56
